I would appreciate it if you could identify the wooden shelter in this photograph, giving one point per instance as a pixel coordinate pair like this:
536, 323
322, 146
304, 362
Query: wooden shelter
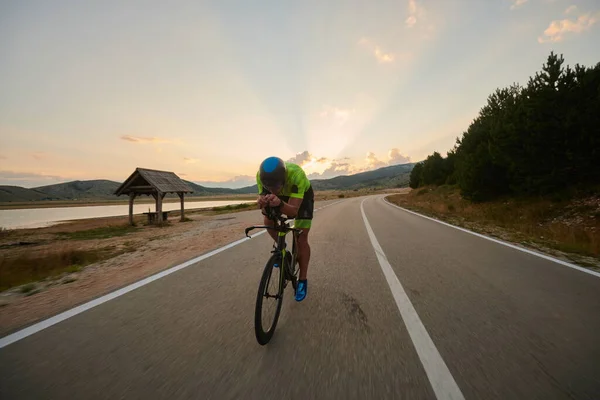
153, 183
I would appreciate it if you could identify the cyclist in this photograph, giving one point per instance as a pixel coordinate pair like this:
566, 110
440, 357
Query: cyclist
285, 187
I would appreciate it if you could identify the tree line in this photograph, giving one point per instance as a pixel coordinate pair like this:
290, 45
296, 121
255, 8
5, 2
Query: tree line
527, 140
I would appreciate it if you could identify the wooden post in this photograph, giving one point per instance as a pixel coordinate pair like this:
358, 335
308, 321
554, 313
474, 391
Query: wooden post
131, 198
181, 197
155, 195
159, 207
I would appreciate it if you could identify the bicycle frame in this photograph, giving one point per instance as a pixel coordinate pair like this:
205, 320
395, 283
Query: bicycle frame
282, 227
287, 271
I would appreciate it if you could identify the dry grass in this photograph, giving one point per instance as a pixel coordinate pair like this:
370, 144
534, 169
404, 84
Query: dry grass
571, 226
99, 233
35, 266
234, 207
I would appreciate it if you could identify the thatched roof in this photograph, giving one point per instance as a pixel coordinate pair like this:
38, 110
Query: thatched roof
148, 181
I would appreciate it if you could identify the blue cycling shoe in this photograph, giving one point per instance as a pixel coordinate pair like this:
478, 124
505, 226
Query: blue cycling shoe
301, 290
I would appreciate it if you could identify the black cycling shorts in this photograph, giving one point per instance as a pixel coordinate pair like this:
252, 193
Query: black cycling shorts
307, 206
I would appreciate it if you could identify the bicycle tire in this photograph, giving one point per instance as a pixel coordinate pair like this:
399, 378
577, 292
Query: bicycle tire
264, 336
291, 272
295, 269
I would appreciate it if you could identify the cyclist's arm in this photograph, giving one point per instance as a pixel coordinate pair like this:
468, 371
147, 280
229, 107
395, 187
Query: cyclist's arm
299, 187
291, 207
262, 193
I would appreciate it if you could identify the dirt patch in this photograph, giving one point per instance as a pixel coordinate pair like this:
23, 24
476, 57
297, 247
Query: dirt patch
143, 252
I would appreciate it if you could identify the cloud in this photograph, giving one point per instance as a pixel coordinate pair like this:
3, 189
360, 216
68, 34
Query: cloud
243, 178
141, 139
339, 115
571, 10
39, 155
301, 158
331, 168
306, 159
381, 56
364, 41
3, 157
557, 30
29, 179
412, 14
335, 169
344, 166
189, 160
236, 182
416, 14
21, 175
373, 162
517, 4
395, 157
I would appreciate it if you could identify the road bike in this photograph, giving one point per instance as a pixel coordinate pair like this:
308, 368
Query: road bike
281, 268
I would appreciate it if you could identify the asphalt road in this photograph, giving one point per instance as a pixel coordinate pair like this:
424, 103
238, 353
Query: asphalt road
469, 319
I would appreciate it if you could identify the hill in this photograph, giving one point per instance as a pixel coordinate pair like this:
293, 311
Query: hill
386, 177
102, 189
200, 190
81, 190
17, 193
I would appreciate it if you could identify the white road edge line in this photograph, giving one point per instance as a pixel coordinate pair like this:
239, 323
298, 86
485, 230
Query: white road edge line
439, 375
5, 341
30, 330
535, 253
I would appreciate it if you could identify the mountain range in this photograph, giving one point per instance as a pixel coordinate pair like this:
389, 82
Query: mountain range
102, 189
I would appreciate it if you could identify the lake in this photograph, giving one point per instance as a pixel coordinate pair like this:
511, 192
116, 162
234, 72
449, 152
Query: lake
41, 217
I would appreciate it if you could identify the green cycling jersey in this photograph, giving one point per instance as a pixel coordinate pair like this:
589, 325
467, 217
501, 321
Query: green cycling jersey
296, 182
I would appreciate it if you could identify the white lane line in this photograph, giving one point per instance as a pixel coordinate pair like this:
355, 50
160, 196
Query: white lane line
328, 205
544, 256
441, 379
5, 341
12, 338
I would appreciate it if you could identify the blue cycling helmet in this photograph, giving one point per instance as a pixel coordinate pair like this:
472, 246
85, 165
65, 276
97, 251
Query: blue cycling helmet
272, 172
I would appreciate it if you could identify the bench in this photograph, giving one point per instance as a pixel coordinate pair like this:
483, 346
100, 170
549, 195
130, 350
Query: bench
152, 216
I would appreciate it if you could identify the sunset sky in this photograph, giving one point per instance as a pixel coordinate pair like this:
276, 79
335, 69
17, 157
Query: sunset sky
207, 89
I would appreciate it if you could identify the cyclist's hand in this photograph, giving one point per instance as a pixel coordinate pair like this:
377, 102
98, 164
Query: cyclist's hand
262, 201
275, 201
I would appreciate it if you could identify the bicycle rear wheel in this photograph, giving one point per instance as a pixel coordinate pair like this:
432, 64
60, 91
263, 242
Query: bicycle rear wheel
268, 301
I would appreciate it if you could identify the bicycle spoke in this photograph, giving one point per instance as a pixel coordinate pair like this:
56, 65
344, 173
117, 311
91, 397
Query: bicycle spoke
268, 302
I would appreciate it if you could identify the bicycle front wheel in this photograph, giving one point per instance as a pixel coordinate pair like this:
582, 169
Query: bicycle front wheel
268, 301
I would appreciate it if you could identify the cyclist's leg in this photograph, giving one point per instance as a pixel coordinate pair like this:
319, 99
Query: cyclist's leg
303, 258
271, 232
304, 221
303, 251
